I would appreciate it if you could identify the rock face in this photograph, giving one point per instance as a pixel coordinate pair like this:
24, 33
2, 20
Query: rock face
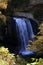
31, 3
35, 7
34, 2
32, 6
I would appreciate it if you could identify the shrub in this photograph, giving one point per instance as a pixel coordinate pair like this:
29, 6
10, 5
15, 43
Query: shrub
6, 58
37, 45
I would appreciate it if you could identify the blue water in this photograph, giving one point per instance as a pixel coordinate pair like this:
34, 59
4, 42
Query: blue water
29, 29
25, 32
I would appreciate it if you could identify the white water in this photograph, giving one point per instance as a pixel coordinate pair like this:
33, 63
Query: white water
25, 32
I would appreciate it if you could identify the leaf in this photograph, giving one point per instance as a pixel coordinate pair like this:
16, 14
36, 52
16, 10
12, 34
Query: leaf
40, 60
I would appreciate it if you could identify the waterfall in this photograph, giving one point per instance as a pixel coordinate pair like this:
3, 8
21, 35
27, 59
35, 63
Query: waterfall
25, 32
19, 30
29, 29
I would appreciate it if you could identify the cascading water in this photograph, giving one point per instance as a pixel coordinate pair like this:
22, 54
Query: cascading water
25, 33
29, 29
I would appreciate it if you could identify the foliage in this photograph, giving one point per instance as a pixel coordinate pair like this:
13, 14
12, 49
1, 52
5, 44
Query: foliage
6, 58
37, 45
3, 4
29, 61
9, 6
2, 62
